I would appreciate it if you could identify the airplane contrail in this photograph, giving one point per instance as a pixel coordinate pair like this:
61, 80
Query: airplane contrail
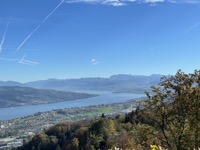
6, 59
27, 62
22, 58
4, 36
24, 41
52, 12
21, 61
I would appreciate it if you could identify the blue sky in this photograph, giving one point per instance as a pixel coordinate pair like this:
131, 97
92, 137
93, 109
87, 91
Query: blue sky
97, 38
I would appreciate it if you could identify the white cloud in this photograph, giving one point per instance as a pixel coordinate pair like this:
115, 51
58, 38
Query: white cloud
94, 62
153, 1
105, 2
113, 2
186, 1
127, 2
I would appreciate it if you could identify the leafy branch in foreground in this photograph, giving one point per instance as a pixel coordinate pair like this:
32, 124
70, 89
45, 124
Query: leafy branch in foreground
173, 109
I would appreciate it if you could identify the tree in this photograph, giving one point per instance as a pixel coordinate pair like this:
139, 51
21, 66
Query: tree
103, 115
173, 108
82, 137
75, 144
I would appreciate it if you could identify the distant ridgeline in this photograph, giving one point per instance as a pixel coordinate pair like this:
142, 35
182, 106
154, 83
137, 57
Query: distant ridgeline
116, 83
11, 96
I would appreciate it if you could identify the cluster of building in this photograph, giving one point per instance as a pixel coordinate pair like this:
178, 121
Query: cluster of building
11, 142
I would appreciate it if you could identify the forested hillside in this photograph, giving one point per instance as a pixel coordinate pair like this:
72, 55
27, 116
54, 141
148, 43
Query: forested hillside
170, 118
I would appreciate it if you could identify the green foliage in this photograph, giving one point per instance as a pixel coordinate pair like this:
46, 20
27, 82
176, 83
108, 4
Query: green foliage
174, 110
170, 117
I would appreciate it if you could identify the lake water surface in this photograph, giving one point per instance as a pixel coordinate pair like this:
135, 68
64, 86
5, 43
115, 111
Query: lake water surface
103, 98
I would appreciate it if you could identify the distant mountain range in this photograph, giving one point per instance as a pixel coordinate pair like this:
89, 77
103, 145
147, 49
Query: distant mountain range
116, 83
11, 96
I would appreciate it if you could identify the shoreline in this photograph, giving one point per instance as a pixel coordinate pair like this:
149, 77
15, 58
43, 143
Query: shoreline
42, 120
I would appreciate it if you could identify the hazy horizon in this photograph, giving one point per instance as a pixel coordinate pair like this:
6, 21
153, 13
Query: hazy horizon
106, 77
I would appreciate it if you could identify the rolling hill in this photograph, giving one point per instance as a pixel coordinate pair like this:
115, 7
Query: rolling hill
11, 96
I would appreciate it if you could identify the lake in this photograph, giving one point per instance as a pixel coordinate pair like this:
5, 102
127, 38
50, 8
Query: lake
103, 98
